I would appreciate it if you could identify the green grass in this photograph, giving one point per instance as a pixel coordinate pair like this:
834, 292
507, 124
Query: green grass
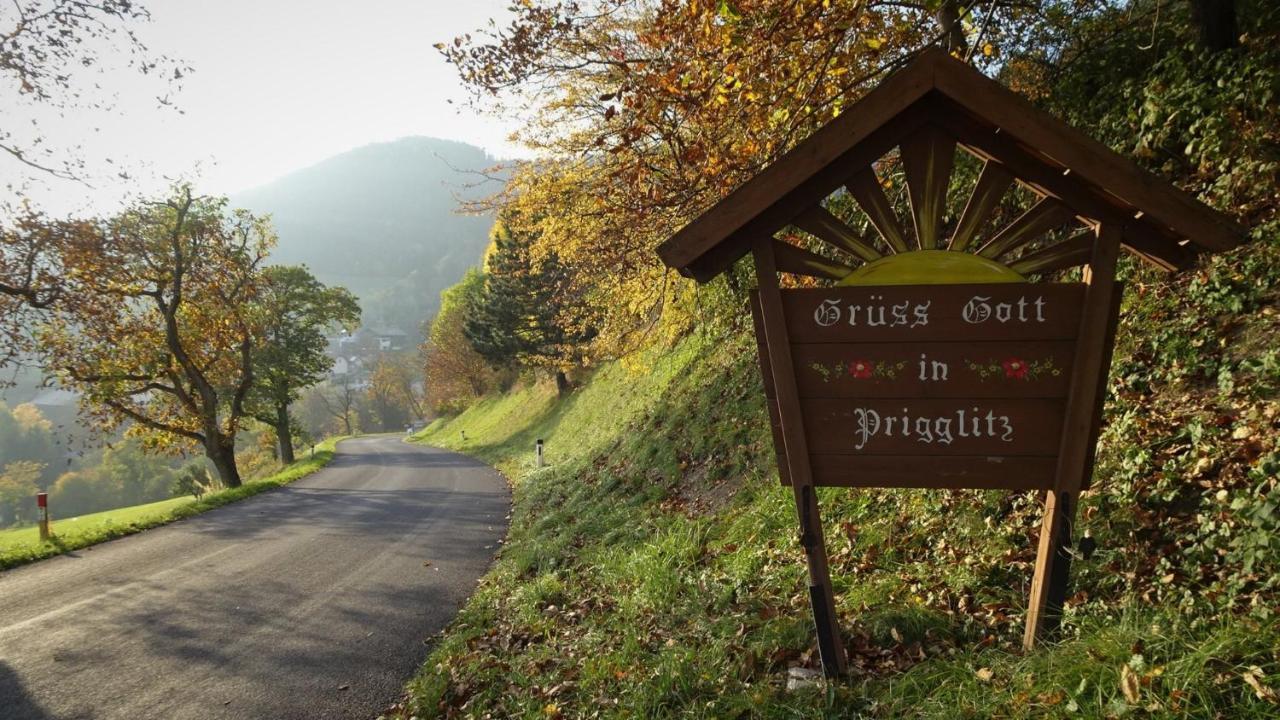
22, 545
652, 570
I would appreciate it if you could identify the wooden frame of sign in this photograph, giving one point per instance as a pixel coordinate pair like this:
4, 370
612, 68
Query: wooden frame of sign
969, 384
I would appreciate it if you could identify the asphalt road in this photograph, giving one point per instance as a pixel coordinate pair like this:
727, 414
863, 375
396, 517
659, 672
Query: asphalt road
312, 601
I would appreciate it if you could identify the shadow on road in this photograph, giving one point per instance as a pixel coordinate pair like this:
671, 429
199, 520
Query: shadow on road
14, 699
352, 454
367, 513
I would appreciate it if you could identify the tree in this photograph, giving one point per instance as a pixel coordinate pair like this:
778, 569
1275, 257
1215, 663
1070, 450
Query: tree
158, 324
454, 372
80, 492
1216, 22
32, 276
45, 48
26, 435
648, 113
395, 382
339, 399
18, 490
296, 310
135, 476
528, 313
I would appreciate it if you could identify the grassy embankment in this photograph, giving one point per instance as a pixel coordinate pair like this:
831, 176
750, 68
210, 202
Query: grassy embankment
652, 568
22, 545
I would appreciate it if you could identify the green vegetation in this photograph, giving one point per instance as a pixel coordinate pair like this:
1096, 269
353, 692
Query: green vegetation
652, 570
292, 357
22, 545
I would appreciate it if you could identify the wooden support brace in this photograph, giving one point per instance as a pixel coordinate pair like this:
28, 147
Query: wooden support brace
778, 347
798, 261
1079, 434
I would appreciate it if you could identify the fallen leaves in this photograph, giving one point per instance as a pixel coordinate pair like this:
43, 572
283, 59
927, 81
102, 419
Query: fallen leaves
1253, 677
1130, 685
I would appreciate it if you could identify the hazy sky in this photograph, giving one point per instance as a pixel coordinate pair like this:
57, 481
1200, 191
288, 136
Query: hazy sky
278, 85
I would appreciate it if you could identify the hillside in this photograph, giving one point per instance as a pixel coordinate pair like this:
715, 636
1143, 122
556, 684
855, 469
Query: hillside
652, 568
383, 221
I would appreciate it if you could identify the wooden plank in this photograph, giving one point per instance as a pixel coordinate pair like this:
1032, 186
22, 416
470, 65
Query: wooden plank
810, 192
1101, 391
905, 101
1035, 369
927, 157
913, 471
865, 188
1053, 560
1147, 243
778, 347
934, 313
931, 427
799, 261
1088, 159
990, 144
1089, 370
1068, 253
1040, 218
1079, 430
820, 223
994, 181
766, 375
804, 175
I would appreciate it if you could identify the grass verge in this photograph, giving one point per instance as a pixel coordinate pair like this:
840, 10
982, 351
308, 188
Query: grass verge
22, 545
652, 570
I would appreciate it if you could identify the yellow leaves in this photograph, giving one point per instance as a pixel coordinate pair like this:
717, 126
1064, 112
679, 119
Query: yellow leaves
984, 674
1253, 678
988, 49
1130, 686
875, 43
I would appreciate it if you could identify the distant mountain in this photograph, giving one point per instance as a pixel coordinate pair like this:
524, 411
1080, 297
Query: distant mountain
382, 220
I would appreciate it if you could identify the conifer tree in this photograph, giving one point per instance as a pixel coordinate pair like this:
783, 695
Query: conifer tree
527, 314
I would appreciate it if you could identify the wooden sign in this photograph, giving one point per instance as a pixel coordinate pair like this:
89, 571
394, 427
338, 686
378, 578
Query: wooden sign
947, 386
935, 362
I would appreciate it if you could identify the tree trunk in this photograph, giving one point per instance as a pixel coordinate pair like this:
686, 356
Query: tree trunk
562, 382
1216, 20
222, 451
948, 17
284, 434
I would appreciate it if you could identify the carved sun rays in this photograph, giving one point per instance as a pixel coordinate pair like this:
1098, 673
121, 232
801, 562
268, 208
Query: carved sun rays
1044, 237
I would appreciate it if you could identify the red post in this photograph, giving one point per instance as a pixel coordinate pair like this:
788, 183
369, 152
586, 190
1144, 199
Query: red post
42, 502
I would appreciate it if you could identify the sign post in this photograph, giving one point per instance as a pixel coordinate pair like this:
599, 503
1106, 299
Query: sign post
936, 386
921, 346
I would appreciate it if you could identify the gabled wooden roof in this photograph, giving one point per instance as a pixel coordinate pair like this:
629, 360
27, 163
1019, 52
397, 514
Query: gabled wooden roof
1163, 225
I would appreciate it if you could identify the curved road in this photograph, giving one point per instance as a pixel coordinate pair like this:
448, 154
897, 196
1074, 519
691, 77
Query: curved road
312, 601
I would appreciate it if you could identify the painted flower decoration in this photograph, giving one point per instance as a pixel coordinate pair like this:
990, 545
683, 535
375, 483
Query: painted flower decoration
861, 369
1015, 368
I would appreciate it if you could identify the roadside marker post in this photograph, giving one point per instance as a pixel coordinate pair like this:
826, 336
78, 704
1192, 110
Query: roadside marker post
42, 502
537, 445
